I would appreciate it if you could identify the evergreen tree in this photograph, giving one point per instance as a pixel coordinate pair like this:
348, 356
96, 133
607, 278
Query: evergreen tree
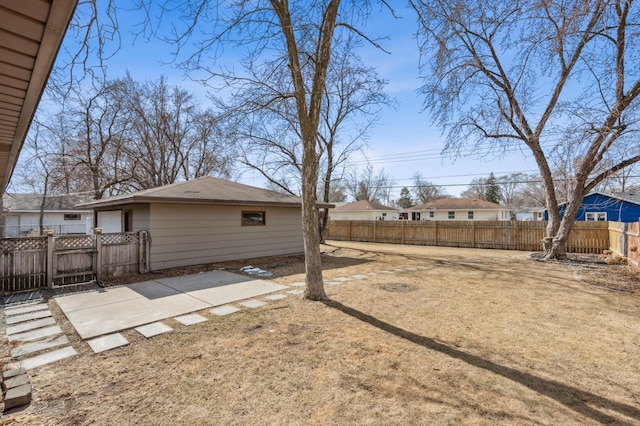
492, 191
405, 200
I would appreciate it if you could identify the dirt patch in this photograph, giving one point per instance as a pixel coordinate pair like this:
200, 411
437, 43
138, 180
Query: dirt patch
457, 336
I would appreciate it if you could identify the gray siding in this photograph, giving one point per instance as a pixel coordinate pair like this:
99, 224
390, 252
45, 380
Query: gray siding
195, 234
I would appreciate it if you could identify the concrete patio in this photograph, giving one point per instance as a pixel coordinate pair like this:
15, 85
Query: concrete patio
112, 309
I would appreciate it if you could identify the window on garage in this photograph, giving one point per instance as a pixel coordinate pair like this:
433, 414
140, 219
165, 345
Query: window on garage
253, 218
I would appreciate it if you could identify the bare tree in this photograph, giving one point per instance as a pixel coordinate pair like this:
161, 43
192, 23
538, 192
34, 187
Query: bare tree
297, 40
366, 184
475, 189
426, 191
170, 137
538, 74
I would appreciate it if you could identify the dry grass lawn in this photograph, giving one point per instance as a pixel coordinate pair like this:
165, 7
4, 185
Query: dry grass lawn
464, 337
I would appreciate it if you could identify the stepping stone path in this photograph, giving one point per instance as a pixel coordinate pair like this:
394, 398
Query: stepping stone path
224, 310
253, 303
191, 319
105, 343
153, 329
35, 340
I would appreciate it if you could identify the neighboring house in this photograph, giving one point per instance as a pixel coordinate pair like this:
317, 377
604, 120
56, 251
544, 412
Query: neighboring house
529, 213
363, 210
206, 220
459, 209
22, 214
602, 207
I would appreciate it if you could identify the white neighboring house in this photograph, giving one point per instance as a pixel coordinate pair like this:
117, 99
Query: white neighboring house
460, 209
363, 210
22, 214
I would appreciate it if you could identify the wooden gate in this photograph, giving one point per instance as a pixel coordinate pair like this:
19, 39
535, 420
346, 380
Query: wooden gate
23, 263
73, 260
28, 263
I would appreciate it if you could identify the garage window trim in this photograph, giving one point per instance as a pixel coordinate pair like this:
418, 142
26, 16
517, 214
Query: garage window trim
254, 218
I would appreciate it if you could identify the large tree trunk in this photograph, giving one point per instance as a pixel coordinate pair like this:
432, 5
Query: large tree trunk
310, 222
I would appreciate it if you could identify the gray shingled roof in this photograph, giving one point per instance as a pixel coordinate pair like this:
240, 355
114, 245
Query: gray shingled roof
204, 190
32, 202
458, 204
364, 205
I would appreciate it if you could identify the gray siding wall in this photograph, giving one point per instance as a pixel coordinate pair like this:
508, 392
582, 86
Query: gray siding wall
195, 234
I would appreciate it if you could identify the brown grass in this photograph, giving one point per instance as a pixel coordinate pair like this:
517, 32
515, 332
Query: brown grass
471, 337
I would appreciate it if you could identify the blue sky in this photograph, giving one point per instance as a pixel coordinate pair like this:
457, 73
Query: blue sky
403, 143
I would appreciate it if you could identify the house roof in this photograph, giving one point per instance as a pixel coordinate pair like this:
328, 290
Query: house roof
364, 205
31, 32
204, 190
604, 194
459, 204
32, 202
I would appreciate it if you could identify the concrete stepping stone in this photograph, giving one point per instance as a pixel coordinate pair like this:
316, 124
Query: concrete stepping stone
359, 276
386, 272
410, 268
191, 319
224, 310
17, 396
15, 381
372, 274
296, 291
24, 309
333, 282
397, 269
153, 329
27, 317
48, 358
13, 372
41, 345
36, 334
276, 297
31, 325
253, 303
343, 279
298, 284
108, 342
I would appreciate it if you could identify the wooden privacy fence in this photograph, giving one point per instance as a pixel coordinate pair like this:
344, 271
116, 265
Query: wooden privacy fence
586, 237
625, 241
28, 263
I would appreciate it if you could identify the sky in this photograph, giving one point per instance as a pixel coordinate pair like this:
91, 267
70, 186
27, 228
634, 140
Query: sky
402, 144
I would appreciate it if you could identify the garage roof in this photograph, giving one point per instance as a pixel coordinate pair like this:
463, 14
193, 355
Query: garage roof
31, 32
204, 190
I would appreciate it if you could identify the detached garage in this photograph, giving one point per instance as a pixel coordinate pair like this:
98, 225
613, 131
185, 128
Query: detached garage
206, 220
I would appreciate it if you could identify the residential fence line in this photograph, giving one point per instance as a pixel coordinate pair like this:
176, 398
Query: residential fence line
625, 241
28, 263
586, 237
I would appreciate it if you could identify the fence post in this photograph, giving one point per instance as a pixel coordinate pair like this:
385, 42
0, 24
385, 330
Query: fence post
50, 247
624, 240
349, 236
435, 232
402, 232
142, 242
98, 262
374, 231
473, 234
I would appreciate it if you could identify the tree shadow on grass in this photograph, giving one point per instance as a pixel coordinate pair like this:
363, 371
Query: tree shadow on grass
573, 398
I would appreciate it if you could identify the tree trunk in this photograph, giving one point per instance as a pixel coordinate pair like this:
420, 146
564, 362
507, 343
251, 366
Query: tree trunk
310, 222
